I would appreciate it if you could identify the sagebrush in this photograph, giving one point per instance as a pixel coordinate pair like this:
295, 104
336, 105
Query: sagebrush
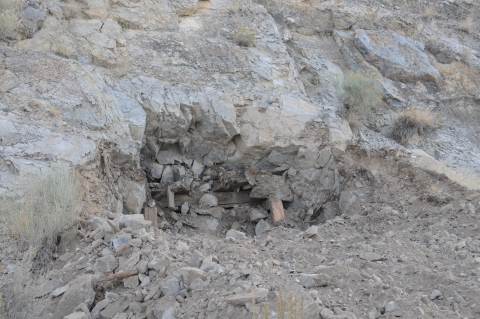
48, 204
412, 122
291, 308
9, 20
18, 300
245, 36
361, 93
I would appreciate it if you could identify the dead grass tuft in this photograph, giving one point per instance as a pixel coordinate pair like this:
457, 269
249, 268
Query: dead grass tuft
54, 112
466, 25
245, 36
48, 204
361, 93
9, 20
286, 309
412, 122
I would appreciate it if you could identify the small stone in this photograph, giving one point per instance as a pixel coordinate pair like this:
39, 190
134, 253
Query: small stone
180, 299
189, 274
262, 227
131, 282
59, 291
185, 208
197, 259
65, 257
391, 306
170, 286
204, 188
435, 294
76, 315
315, 280
106, 264
208, 200
256, 215
235, 234
241, 299
311, 231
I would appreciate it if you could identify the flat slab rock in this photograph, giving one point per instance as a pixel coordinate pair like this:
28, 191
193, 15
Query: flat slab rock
396, 57
242, 299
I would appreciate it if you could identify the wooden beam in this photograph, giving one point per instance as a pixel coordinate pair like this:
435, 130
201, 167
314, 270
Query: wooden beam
276, 209
151, 215
224, 198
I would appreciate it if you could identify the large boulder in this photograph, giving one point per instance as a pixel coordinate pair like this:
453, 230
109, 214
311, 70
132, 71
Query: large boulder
396, 57
79, 291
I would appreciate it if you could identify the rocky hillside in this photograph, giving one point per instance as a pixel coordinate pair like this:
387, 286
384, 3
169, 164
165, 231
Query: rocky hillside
222, 122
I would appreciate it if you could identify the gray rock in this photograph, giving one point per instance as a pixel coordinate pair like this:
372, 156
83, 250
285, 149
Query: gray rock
315, 280
208, 200
371, 256
81, 263
76, 315
167, 175
106, 264
391, 306
235, 234
32, 21
311, 231
197, 168
80, 291
206, 224
60, 290
178, 172
120, 305
262, 227
156, 170
135, 224
435, 294
216, 212
268, 185
241, 299
256, 215
184, 209
131, 282
197, 259
49, 286
189, 274
170, 286
346, 200
163, 308
396, 57
134, 195
124, 218
121, 316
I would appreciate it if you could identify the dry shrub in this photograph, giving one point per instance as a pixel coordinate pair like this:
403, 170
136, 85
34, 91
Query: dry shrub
245, 36
54, 111
48, 204
18, 300
466, 25
285, 310
9, 20
361, 94
412, 122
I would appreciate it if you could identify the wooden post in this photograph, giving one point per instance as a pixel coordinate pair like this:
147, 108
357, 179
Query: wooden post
276, 209
151, 215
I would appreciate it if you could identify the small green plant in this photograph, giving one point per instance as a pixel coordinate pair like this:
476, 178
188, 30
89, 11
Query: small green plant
49, 204
290, 310
361, 93
9, 20
412, 122
123, 25
245, 36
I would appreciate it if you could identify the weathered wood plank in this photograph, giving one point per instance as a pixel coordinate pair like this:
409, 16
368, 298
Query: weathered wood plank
276, 208
224, 198
151, 215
